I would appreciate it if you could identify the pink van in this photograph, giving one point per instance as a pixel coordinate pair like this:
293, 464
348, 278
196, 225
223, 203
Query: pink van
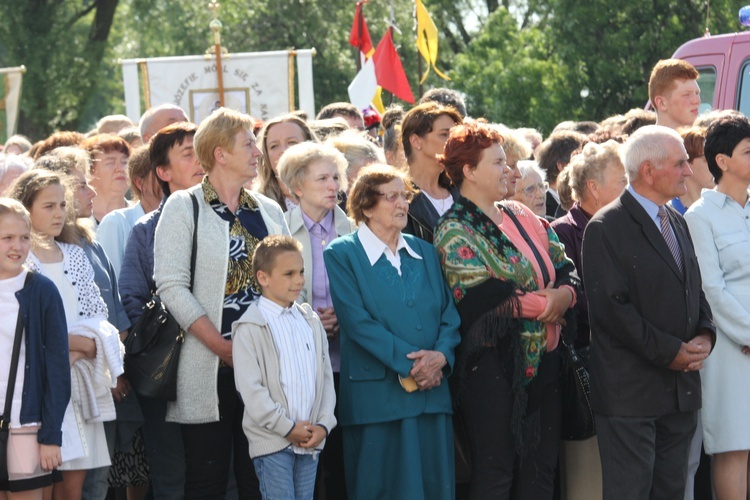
723, 62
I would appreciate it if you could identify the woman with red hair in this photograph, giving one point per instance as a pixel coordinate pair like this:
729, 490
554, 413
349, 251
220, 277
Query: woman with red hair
513, 287
109, 172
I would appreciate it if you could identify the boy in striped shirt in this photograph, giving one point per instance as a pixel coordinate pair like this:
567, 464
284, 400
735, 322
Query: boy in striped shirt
283, 374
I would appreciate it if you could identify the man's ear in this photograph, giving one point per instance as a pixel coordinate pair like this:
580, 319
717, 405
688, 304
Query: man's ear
660, 103
646, 172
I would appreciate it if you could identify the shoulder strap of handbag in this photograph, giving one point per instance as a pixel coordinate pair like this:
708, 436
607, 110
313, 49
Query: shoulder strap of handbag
525, 235
5, 422
195, 240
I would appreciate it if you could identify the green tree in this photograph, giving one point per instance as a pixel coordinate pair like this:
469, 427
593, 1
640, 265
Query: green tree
616, 44
513, 76
62, 44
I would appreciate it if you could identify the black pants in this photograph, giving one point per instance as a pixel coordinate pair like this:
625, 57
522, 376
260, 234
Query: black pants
497, 471
645, 456
330, 479
208, 448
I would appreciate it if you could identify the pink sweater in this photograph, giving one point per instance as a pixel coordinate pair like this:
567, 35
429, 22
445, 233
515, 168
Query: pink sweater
532, 304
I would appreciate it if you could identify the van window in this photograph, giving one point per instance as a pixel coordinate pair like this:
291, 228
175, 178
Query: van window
707, 84
743, 99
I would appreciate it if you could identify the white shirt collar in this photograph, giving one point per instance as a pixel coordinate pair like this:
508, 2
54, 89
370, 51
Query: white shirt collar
274, 310
374, 246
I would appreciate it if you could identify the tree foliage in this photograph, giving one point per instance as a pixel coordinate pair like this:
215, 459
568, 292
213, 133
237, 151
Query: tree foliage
617, 43
62, 44
513, 76
522, 62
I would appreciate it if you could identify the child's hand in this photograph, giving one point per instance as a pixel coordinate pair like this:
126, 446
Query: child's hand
50, 456
317, 436
300, 434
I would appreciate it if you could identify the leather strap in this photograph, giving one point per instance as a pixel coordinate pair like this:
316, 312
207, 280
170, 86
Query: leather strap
5, 421
195, 240
525, 235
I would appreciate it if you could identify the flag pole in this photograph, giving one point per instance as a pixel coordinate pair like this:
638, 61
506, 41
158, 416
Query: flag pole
357, 50
419, 58
215, 26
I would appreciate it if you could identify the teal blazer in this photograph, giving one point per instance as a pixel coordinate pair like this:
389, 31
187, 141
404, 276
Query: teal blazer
383, 317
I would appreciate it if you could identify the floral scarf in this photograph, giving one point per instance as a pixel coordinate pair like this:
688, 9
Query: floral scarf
486, 273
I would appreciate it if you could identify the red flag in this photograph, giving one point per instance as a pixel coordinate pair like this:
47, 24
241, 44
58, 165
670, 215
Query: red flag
389, 70
360, 35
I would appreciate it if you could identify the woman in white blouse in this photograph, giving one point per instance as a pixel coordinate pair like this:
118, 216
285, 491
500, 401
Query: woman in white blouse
720, 231
55, 254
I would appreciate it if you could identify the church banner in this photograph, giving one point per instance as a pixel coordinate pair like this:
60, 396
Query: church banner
10, 99
258, 83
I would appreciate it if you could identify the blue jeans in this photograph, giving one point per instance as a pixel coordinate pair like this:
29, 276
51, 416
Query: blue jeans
286, 475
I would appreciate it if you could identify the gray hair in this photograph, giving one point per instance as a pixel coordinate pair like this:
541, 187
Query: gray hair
528, 166
646, 144
294, 163
358, 151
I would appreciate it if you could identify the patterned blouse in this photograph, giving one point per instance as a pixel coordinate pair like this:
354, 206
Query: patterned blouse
246, 230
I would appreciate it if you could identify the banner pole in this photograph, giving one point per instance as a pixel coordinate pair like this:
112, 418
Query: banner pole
215, 26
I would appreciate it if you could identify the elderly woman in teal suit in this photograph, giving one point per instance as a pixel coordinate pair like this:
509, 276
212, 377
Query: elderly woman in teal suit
399, 329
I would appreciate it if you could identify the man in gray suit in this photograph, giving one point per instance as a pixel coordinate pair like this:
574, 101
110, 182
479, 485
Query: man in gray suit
651, 326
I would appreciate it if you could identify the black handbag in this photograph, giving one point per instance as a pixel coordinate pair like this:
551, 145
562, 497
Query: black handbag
152, 347
5, 417
577, 416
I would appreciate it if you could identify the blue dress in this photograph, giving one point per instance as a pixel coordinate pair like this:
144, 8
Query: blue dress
397, 445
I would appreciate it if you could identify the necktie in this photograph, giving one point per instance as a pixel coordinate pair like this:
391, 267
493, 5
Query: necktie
669, 237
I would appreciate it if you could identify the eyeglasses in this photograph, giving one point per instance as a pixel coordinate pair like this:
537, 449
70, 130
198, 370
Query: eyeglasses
542, 186
407, 196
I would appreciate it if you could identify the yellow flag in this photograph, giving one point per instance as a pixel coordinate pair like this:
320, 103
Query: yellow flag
427, 40
377, 101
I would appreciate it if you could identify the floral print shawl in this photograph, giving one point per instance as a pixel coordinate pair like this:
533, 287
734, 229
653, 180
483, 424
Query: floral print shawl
486, 273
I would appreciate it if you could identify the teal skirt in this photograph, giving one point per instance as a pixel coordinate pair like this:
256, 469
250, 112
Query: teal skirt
409, 459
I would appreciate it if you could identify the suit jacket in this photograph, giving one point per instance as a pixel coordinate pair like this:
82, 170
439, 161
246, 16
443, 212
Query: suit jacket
423, 217
552, 206
641, 309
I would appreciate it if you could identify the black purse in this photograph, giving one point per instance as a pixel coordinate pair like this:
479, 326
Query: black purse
5, 417
152, 348
577, 415
578, 418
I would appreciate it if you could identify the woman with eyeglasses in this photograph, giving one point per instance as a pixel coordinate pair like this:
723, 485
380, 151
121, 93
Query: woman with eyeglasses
399, 329
531, 188
513, 287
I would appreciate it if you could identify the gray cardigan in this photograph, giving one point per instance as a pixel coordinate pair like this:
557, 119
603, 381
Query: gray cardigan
197, 400
296, 223
266, 419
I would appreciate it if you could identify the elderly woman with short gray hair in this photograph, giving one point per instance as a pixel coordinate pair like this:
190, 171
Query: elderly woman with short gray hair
315, 174
531, 188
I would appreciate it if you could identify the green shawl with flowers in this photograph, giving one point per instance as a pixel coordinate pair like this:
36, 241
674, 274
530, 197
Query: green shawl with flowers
485, 273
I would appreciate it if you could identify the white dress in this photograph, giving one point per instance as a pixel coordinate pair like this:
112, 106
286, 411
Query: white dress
720, 229
92, 437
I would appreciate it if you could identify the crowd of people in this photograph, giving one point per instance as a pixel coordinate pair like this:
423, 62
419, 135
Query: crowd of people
378, 308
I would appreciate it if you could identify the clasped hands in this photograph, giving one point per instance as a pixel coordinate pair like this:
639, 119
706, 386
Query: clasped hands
691, 355
427, 370
558, 301
306, 435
